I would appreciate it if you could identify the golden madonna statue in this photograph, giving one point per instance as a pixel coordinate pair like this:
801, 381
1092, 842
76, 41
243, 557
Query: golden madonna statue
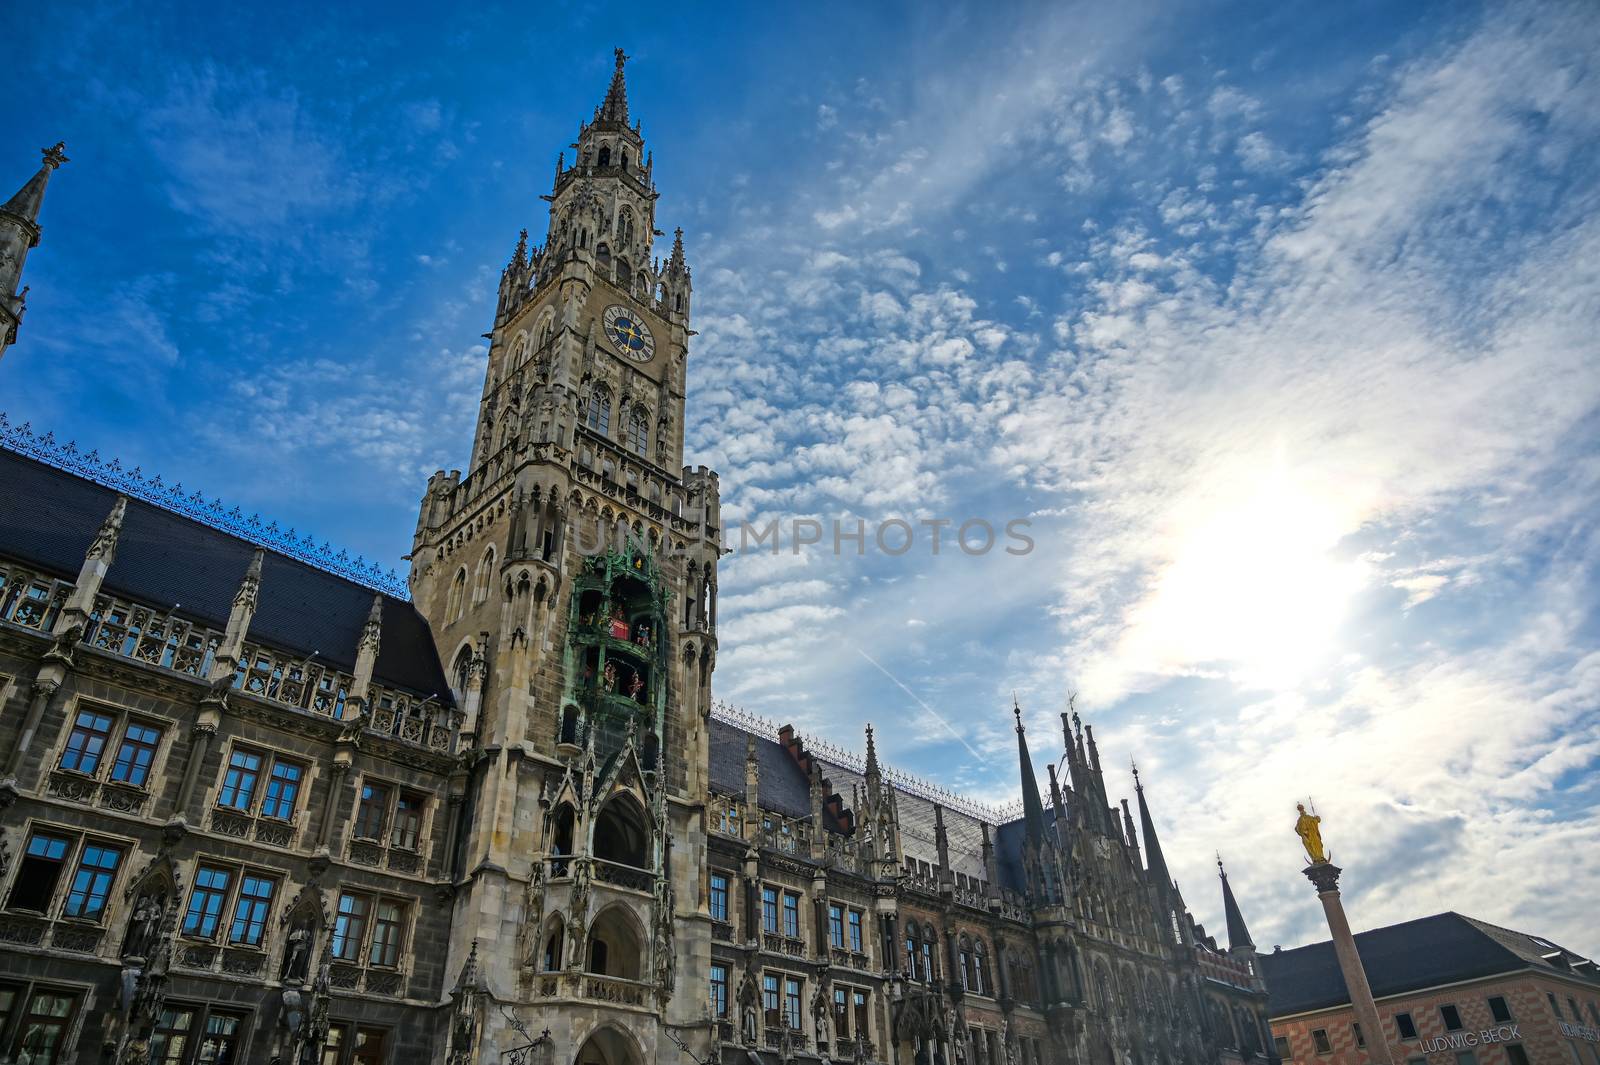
1309, 828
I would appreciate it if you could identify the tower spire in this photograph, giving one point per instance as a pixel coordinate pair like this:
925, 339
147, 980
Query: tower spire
27, 200
1238, 934
614, 108
19, 232
1032, 808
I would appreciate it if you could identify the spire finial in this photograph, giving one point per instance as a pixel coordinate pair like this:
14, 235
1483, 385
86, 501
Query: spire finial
1134, 762
55, 155
615, 106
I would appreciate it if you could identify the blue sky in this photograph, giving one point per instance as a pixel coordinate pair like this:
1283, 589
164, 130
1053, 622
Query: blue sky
1276, 321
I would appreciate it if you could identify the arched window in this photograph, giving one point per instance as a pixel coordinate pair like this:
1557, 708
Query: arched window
561, 838
462, 673
625, 228
551, 962
605, 155
617, 946
980, 969
619, 833
598, 416
483, 578
455, 603
912, 950
623, 273
966, 975
639, 431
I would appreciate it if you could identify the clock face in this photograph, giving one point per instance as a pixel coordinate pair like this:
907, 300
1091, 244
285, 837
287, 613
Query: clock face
630, 336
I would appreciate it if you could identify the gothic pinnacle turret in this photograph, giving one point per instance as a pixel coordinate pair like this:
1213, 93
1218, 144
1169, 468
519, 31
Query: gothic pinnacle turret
1032, 808
1155, 861
19, 232
1238, 934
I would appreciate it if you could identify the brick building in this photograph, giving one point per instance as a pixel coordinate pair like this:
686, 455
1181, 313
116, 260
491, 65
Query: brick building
1451, 990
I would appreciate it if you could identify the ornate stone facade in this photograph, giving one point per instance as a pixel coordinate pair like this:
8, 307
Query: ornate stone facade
505, 822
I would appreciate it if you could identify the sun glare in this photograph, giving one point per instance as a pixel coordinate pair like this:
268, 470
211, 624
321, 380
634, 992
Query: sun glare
1254, 587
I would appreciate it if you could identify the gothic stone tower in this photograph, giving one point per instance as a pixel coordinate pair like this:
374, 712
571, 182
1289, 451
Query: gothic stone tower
570, 580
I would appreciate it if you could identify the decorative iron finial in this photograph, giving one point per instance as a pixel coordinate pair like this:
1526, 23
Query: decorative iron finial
55, 155
1135, 764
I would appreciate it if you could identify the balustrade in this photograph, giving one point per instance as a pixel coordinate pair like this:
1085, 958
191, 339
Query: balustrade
624, 876
31, 600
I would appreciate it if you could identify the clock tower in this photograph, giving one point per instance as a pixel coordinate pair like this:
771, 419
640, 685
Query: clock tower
569, 577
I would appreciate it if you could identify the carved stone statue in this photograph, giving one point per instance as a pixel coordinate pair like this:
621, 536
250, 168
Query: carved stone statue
1309, 828
297, 954
143, 926
750, 1020
821, 1015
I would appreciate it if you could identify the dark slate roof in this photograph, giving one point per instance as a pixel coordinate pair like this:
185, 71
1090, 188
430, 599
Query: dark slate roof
49, 516
783, 787
1445, 948
1008, 839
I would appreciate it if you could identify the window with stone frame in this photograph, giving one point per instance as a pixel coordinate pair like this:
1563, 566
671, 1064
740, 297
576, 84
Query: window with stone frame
769, 909
35, 1022
41, 870
836, 925
370, 929
1319, 1041
372, 812
1451, 1018
719, 990
791, 915
455, 603
406, 831
771, 990
389, 815
348, 1043
719, 897
258, 782
1405, 1025
639, 430
862, 1012
112, 745
793, 996
597, 410
198, 1034
857, 941
231, 900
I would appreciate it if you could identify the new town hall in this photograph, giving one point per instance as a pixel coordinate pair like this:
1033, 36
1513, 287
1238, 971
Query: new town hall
259, 805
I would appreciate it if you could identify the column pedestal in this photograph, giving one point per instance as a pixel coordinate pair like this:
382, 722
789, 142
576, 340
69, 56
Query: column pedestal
1325, 875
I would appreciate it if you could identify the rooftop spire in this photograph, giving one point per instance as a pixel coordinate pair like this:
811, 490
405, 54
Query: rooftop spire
614, 108
1155, 861
1238, 934
675, 261
1032, 808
